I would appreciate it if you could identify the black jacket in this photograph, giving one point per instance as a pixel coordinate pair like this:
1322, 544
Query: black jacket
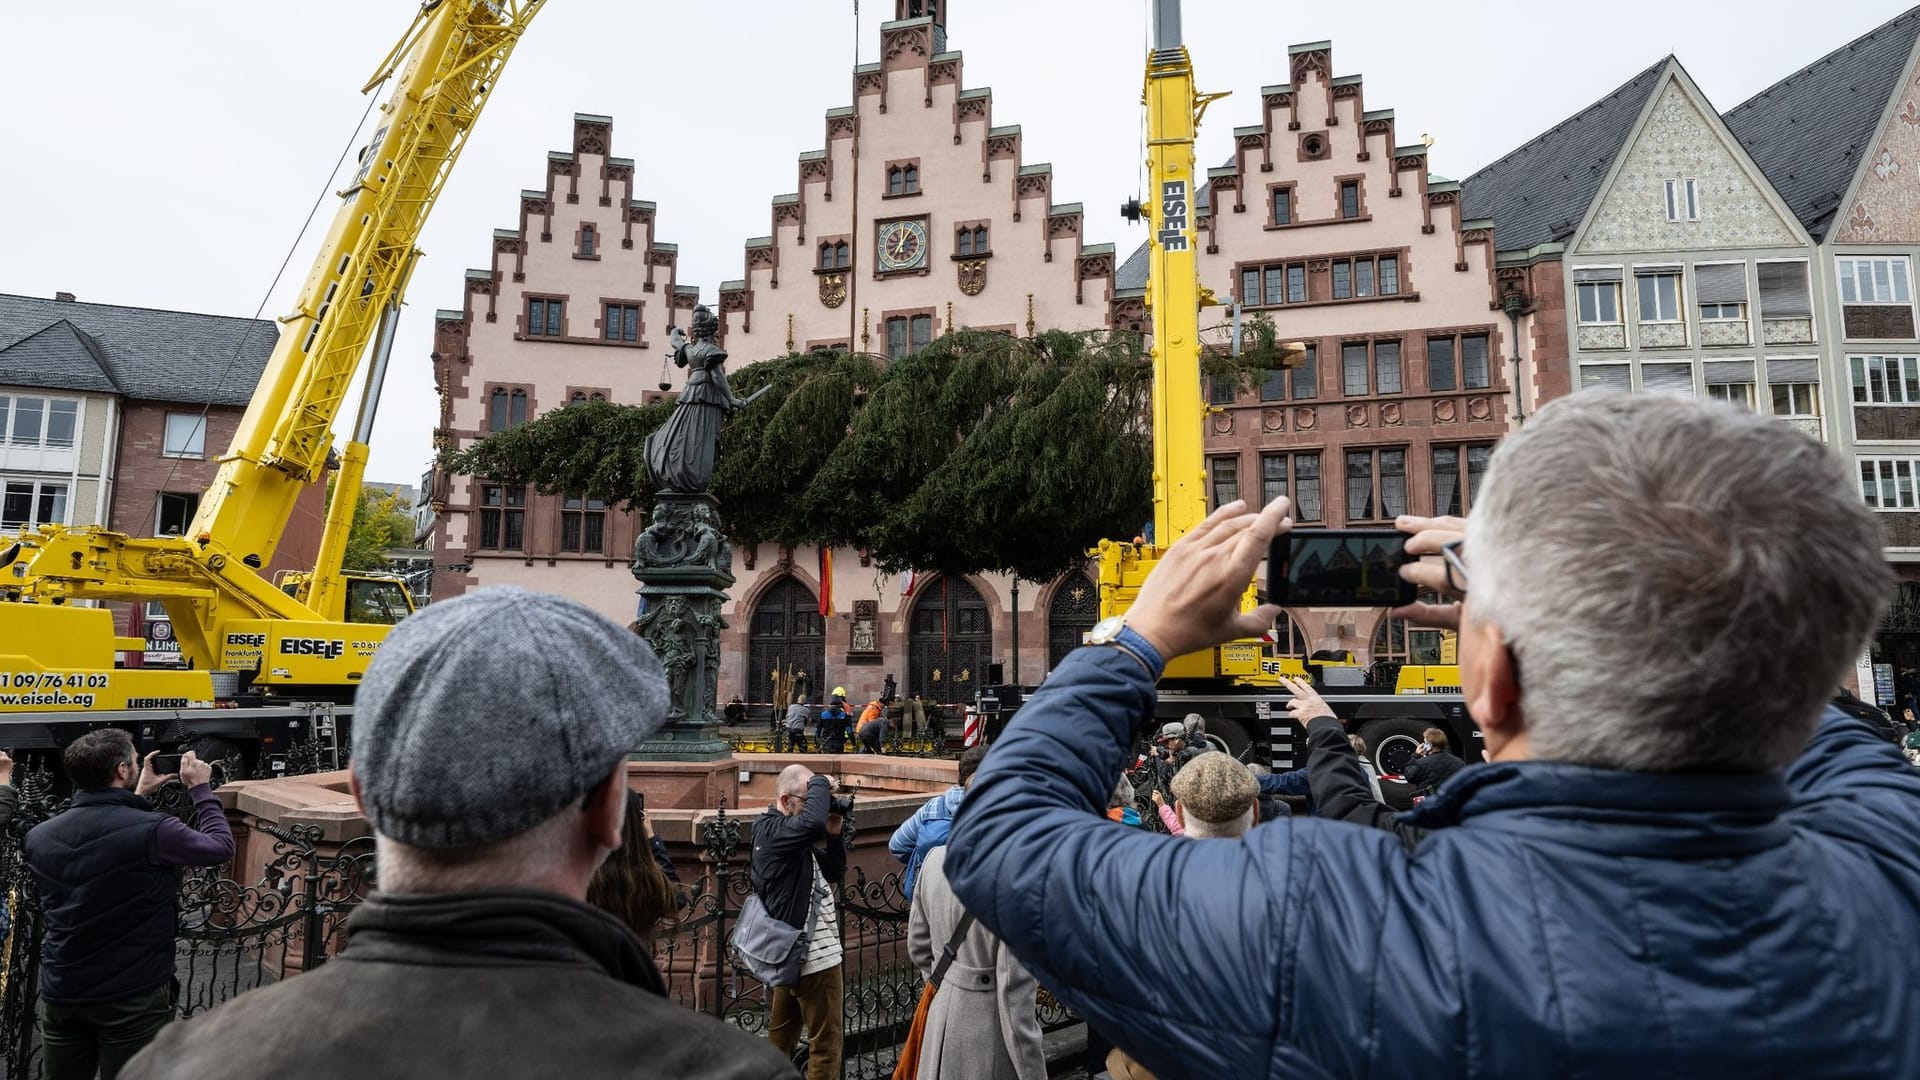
505, 983
109, 909
783, 847
1426, 774
1339, 784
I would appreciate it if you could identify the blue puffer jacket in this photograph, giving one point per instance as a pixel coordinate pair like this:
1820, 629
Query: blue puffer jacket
1558, 921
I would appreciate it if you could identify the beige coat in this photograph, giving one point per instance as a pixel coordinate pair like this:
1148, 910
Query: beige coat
982, 1025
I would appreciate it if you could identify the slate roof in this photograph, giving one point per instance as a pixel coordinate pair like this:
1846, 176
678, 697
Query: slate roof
1808, 131
1133, 273
142, 353
1539, 193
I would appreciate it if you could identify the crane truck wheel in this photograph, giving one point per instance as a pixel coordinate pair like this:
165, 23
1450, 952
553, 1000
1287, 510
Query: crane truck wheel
1391, 743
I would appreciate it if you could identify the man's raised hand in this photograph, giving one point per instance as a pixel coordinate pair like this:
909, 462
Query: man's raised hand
1191, 601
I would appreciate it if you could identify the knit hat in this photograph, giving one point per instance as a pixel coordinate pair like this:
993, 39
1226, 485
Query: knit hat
1215, 788
483, 716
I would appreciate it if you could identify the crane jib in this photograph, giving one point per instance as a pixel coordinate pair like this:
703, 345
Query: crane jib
1173, 215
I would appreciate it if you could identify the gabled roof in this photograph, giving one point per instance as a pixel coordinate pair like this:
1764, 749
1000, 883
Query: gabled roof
1540, 192
143, 353
1133, 273
1809, 131
59, 357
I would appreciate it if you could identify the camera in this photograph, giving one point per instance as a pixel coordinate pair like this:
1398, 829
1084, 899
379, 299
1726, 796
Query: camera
841, 804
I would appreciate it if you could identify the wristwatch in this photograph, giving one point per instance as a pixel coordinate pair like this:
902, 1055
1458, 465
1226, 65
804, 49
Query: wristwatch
1113, 632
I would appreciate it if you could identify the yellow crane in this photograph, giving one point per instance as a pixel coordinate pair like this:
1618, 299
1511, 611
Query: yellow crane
1235, 686
56, 655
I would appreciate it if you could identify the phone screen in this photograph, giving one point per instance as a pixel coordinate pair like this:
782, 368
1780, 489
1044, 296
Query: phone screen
1339, 568
166, 764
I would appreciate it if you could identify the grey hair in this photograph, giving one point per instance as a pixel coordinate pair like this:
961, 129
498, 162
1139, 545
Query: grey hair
1682, 583
793, 780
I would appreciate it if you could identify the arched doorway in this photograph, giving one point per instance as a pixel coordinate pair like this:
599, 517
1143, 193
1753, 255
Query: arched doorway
1074, 610
949, 642
786, 631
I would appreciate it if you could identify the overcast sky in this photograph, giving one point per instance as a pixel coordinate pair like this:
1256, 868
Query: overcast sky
164, 155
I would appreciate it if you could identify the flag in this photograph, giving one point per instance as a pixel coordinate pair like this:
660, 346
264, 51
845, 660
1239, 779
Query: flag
826, 581
907, 582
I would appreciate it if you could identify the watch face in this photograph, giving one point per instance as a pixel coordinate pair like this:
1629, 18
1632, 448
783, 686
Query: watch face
1106, 630
902, 245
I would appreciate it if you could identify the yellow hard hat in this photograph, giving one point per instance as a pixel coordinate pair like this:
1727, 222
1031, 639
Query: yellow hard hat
839, 691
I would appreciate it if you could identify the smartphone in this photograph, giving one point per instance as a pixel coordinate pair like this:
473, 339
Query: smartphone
166, 764
1339, 568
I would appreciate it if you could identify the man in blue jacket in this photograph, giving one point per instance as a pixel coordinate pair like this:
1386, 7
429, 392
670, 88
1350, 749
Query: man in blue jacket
1674, 863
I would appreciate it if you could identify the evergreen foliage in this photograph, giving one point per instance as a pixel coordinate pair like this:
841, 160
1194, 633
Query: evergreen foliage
982, 452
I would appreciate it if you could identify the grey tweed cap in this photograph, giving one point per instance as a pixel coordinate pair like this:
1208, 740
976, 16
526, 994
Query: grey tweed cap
483, 716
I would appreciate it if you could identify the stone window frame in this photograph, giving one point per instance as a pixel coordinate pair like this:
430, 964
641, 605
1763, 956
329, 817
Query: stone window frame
506, 508
640, 322
833, 244
1462, 469
1372, 342
970, 229
814, 345
586, 395
583, 511
1374, 478
1214, 461
1289, 189
1359, 182
908, 169
1304, 154
587, 241
522, 318
1459, 336
908, 314
487, 391
1292, 457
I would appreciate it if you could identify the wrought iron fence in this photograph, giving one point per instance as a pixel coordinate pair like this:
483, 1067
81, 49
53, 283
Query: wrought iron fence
235, 936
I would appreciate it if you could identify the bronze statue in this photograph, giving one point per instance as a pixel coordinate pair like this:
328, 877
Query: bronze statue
680, 456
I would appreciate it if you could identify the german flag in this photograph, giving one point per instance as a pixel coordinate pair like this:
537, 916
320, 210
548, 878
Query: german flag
826, 581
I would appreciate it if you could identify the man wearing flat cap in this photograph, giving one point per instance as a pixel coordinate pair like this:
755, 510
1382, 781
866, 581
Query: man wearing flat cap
490, 756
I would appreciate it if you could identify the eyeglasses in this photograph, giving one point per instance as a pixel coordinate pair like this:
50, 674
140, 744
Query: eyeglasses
1456, 567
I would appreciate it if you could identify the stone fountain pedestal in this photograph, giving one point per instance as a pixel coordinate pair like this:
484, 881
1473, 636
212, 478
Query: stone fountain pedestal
685, 567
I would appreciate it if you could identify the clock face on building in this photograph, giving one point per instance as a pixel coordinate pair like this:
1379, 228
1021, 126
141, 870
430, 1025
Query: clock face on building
902, 245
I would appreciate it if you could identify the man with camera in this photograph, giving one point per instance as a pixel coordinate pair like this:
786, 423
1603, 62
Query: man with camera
105, 870
1676, 861
796, 868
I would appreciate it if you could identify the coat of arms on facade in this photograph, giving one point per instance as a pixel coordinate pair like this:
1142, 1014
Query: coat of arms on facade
833, 289
973, 276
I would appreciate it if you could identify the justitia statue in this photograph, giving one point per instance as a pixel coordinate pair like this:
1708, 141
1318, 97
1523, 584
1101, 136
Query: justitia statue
680, 455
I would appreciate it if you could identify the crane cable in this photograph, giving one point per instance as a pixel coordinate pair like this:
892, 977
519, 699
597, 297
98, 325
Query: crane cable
352, 141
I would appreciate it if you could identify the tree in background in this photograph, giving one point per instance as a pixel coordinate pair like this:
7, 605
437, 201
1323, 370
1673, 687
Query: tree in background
381, 522
982, 452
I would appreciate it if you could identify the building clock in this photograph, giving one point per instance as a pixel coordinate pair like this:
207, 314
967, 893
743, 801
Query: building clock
902, 245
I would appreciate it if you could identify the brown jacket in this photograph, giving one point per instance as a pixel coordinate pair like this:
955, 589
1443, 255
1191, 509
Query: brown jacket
458, 985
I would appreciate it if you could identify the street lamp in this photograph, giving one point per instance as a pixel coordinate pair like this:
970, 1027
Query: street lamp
1514, 303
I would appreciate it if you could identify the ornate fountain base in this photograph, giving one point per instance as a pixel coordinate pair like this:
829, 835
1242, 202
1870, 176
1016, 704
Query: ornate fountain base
685, 566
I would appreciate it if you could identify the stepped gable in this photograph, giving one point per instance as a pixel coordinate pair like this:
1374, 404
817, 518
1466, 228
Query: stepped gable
916, 146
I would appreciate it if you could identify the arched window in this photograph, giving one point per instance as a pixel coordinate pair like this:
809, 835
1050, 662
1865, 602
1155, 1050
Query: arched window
586, 240
980, 240
579, 397
963, 243
597, 396
1074, 610
497, 409
517, 409
913, 177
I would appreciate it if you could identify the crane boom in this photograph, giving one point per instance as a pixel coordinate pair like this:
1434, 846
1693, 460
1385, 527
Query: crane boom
225, 612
